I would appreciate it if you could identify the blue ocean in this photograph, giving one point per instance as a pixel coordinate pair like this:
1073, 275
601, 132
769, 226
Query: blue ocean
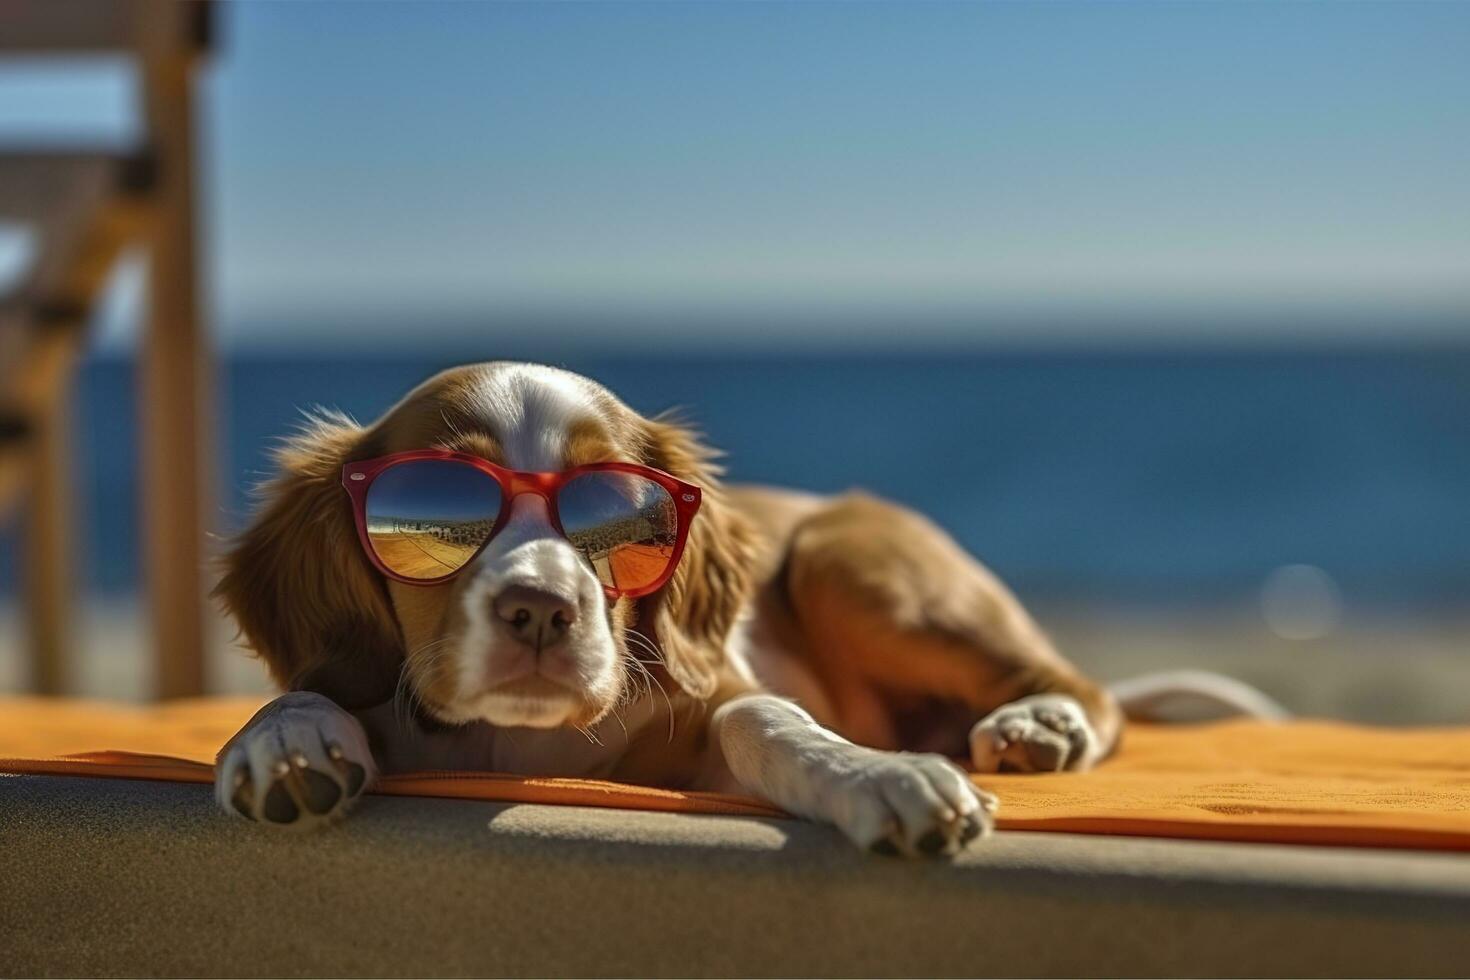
1145, 478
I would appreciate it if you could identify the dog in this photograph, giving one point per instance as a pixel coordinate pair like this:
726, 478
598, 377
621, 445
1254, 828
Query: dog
831, 655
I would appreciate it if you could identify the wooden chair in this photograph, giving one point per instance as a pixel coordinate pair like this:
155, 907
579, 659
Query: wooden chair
82, 209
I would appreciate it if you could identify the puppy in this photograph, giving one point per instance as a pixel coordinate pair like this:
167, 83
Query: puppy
489, 577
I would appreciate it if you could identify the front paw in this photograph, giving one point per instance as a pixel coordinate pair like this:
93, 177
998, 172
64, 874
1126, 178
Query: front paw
299, 763
909, 804
1040, 733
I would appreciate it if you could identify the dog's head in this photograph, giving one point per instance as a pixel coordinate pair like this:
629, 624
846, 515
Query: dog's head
310, 602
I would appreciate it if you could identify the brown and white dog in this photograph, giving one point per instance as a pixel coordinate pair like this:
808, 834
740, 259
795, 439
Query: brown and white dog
830, 655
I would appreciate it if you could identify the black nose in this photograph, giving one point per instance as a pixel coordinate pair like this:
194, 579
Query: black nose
534, 616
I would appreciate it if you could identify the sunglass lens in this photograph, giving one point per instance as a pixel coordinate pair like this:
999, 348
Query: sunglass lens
427, 518
626, 526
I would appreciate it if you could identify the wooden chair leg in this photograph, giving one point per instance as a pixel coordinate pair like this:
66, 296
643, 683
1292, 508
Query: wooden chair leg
175, 398
46, 522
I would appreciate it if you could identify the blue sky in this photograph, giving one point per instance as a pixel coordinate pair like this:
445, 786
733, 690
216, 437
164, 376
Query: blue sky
983, 169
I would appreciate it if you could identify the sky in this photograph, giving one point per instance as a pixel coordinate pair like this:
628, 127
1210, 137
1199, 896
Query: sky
796, 172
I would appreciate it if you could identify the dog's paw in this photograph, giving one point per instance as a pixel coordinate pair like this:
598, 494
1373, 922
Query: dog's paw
299, 763
1040, 733
908, 804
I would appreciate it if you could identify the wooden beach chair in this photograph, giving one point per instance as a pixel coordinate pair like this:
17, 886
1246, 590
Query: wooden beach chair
81, 208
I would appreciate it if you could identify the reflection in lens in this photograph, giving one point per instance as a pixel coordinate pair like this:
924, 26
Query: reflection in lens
625, 525
426, 518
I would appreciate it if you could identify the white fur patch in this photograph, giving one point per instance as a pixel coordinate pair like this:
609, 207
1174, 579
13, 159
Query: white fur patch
520, 711
531, 408
917, 804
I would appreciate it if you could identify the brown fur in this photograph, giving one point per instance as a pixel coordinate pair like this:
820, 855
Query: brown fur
692, 616
306, 598
910, 637
875, 618
313, 608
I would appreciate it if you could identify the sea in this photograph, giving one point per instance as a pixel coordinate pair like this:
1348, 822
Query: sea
1150, 477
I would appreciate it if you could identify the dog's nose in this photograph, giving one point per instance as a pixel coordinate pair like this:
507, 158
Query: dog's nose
534, 616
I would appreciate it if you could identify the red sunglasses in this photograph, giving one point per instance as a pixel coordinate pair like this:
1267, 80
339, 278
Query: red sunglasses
424, 515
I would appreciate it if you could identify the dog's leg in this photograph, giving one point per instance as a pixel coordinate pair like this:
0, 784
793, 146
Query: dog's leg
883, 597
898, 802
299, 763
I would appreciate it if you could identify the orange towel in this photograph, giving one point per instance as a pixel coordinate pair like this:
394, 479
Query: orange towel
1302, 782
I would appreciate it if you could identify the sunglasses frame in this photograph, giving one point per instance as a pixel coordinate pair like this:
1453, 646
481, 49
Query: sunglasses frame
358, 477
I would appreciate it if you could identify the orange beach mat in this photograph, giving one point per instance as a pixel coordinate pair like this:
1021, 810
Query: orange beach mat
1302, 782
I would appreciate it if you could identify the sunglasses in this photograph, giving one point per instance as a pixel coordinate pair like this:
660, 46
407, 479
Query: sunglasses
423, 515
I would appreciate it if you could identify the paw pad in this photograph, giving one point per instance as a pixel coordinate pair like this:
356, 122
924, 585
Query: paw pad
1041, 733
299, 763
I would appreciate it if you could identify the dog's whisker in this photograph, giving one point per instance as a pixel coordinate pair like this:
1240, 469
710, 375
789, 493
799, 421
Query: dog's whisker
406, 699
668, 703
651, 678
644, 679
400, 690
617, 716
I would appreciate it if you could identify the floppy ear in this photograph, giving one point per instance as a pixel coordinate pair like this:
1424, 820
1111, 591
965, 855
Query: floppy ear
299, 585
692, 615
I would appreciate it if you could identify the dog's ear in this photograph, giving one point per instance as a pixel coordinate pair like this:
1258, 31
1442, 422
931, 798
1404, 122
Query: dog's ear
299, 586
691, 616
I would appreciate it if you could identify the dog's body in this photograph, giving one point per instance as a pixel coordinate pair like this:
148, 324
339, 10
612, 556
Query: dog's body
900, 649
